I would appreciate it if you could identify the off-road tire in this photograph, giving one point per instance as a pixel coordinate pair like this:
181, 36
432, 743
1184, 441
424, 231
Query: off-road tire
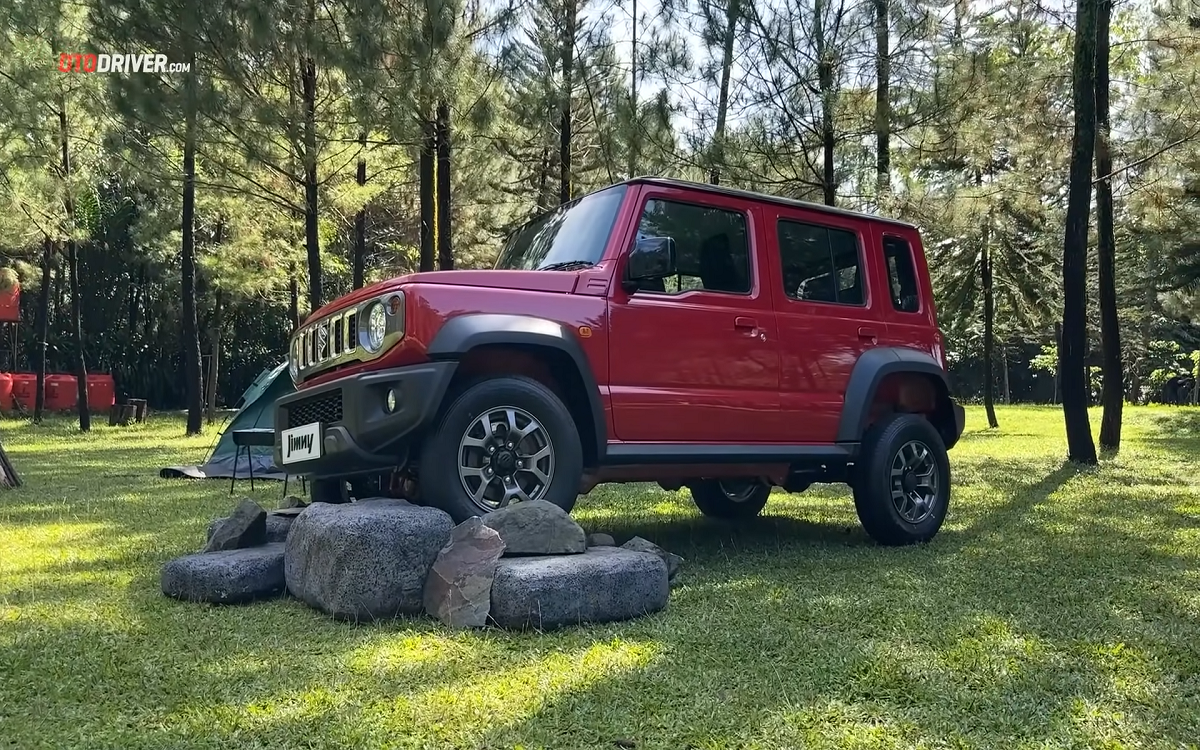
716, 500
872, 480
438, 470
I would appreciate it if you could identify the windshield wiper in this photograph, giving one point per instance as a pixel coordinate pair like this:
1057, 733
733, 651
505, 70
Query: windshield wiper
567, 265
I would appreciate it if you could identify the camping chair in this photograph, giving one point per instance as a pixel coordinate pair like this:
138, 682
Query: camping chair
262, 437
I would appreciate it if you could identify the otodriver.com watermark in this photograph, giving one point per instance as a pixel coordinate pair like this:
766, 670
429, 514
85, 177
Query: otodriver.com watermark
106, 63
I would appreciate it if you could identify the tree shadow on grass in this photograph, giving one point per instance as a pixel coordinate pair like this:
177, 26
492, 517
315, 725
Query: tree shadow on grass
1064, 620
1177, 433
1070, 628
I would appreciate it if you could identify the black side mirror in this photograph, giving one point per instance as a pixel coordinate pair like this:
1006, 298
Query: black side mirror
651, 258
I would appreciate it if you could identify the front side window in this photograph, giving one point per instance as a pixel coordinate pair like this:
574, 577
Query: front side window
712, 247
820, 264
573, 235
902, 274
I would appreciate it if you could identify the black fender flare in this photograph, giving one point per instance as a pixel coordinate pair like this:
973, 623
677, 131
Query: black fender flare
869, 371
463, 333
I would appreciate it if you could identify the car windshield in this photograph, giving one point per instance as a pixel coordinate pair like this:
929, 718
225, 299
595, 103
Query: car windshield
572, 235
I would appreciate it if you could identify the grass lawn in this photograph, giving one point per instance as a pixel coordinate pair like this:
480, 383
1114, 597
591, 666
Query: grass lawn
1056, 609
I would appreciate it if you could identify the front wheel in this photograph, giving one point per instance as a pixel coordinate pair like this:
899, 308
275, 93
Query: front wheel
730, 498
902, 483
502, 440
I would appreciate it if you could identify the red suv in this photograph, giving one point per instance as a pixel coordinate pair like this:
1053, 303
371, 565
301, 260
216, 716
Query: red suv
655, 330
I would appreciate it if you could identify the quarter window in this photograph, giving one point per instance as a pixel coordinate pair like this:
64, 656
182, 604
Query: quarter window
712, 248
820, 264
902, 274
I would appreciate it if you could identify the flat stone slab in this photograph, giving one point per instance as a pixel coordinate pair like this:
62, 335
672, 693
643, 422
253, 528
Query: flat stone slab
603, 584
537, 527
364, 561
226, 577
277, 525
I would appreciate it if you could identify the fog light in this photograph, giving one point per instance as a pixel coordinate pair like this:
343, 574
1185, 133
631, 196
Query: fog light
391, 400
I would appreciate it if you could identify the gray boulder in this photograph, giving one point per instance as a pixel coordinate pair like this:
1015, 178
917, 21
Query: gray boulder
673, 561
458, 590
245, 527
277, 525
364, 561
537, 527
291, 501
603, 584
601, 540
226, 577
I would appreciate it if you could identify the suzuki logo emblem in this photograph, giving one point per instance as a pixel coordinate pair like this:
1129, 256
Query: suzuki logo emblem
322, 341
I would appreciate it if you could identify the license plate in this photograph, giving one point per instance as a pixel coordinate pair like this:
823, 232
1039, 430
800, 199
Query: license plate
302, 443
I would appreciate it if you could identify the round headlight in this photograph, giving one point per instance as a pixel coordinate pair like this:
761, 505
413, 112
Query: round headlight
376, 327
294, 361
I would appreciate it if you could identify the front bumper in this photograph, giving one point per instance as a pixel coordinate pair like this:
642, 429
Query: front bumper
357, 434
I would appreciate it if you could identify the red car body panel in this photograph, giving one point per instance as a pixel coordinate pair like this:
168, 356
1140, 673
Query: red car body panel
696, 367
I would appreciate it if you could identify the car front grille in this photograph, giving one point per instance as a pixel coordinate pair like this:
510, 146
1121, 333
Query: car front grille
325, 408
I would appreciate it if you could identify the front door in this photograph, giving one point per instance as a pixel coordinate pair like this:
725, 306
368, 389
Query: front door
693, 358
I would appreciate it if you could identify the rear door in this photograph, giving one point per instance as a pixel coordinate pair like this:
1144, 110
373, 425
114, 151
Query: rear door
826, 310
911, 320
694, 358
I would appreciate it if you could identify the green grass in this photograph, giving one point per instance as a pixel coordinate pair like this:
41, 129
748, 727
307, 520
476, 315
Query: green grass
1056, 609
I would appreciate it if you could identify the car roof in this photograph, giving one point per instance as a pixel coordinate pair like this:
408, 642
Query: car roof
764, 198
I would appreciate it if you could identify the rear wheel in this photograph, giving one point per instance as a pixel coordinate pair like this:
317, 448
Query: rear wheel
902, 483
730, 498
502, 440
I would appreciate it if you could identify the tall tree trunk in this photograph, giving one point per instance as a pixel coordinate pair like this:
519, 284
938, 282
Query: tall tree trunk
543, 188
445, 245
733, 14
60, 294
961, 9
1149, 298
360, 219
634, 145
564, 138
1004, 364
989, 325
428, 190
883, 107
1113, 391
294, 300
85, 414
135, 299
825, 82
214, 357
42, 329
85, 417
192, 367
312, 240
1057, 362
1075, 386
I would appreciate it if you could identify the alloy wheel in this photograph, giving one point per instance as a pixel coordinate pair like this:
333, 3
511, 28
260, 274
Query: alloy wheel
914, 482
505, 455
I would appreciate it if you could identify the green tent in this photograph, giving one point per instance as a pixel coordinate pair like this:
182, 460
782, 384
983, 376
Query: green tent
256, 410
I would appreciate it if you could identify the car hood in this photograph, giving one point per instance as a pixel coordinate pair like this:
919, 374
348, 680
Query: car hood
560, 282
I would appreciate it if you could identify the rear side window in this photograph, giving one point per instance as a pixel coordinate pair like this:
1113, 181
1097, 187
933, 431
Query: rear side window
902, 274
820, 264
